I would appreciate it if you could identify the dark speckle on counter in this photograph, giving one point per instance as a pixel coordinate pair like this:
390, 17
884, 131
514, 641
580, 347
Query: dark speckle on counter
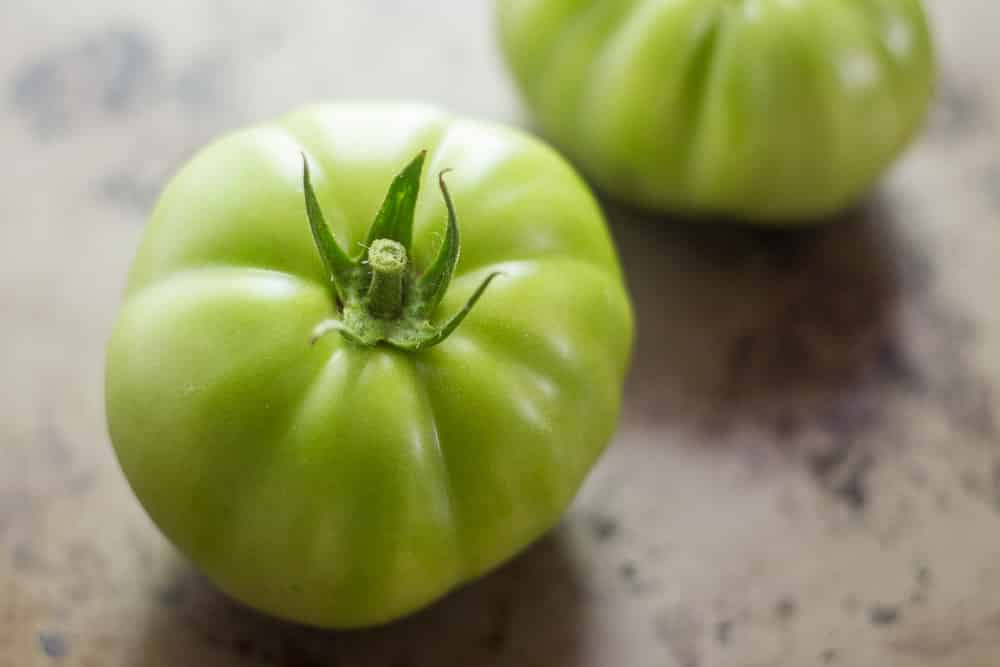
131, 190
104, 72
843, 472
53, 644
603, 527
786, 608
922, 579
634, 582
960, 110
983, 485
723, 631
883, 615
852, 488
26, 558
897, 367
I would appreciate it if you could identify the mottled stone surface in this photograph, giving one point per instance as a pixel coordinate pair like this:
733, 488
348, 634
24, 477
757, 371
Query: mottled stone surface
808, 469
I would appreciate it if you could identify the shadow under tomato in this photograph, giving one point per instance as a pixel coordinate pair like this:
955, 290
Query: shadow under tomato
531, 611
736, 324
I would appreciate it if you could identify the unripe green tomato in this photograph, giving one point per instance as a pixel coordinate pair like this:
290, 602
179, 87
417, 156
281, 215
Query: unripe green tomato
315, 407
767, 110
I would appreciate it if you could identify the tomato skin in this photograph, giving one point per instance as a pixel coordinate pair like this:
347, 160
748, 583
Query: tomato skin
340, 485
777, 111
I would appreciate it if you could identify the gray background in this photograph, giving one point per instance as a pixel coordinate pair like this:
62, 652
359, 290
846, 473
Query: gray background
808, 468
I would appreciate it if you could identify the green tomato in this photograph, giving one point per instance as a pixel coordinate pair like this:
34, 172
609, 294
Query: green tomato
769, 110
307, 415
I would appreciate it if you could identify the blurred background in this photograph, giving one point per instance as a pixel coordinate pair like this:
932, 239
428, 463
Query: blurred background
808, 467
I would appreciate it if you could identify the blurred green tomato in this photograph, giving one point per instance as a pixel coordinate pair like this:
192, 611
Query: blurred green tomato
770, 110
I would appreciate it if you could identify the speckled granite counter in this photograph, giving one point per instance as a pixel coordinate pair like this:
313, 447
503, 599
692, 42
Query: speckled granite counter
808, 471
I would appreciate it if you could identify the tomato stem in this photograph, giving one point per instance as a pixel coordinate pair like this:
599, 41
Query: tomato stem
382, 297
387, 261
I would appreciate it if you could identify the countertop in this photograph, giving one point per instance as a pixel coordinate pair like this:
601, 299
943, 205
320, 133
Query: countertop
807, 471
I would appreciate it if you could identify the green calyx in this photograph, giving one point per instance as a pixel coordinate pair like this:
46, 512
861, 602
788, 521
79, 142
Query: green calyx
381, 295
